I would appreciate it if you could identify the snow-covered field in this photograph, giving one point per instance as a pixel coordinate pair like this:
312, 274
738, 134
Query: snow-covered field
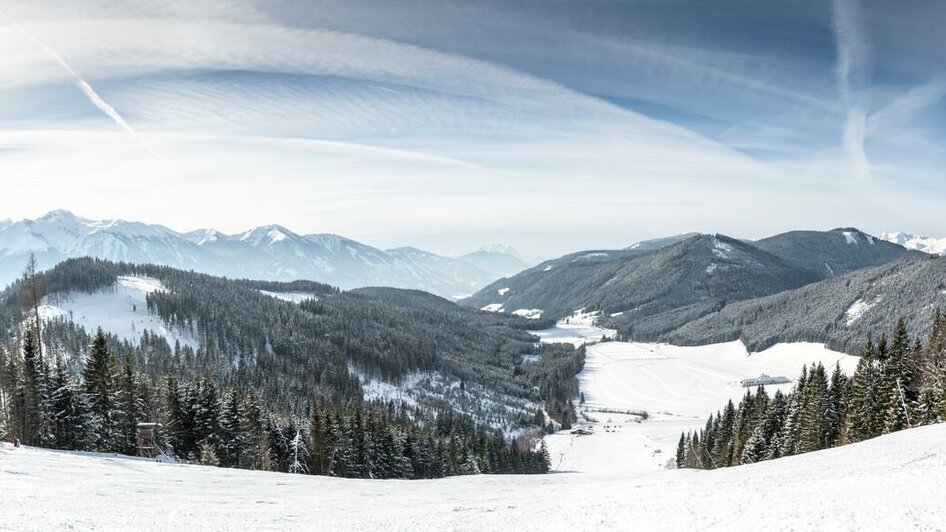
895, 482
577, 329
292, 297
121, 310
677, 386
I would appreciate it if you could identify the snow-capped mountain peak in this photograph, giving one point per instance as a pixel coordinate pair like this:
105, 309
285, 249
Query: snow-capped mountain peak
504, 249
269, 252
933, 246
203, 236
267, 235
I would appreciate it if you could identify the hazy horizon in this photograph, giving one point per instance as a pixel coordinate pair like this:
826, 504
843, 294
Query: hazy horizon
445, 126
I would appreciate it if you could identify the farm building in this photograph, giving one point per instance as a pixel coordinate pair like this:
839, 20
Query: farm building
763, 380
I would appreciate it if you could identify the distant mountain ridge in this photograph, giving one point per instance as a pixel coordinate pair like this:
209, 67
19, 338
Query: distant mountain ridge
647, 292
933, 246
270, 252
840, 312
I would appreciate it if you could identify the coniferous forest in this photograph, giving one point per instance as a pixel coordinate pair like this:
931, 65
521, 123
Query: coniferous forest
898, 384
270, 386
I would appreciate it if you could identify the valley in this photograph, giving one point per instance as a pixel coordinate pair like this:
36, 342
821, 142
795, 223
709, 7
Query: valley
677, 387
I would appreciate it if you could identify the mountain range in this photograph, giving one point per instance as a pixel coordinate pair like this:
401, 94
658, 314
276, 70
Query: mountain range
269, 252
933, 246
688, 289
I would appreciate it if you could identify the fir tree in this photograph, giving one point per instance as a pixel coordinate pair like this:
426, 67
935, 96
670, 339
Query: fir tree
862, 406
896, 381
681, 451
99, 383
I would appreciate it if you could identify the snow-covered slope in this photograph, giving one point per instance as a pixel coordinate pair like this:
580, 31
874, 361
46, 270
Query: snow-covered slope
121, 310
270, 252
895, 482
678, 387
933, 246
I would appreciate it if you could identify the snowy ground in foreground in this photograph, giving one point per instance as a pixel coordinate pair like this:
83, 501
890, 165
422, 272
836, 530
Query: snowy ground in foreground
891, 483
121, 310
613, 479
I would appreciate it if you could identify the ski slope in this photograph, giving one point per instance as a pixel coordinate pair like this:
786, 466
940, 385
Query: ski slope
895, 482
121, 310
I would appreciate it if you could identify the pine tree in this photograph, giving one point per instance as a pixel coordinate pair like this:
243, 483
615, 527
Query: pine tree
861, 406
260, 455
722, 451
793, 418
72, 414
681, 451
9, 385
932, 381
837, 405
208, 454
36, 419
812, 432
317, 444
896, 380
99, 383
130, 409
207, 416
234, 441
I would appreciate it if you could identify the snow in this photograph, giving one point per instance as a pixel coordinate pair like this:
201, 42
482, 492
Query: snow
121, 310
292, 297
493, 307
677, 386
577, 329
890, 483
933, 246
857, 309
616, 478
502, 291
711, 268
547, 268
850, 237
689, 381
531, 313
721, 249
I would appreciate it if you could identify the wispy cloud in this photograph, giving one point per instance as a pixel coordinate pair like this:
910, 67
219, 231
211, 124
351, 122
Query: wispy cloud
394, 128
82, 84
906, 105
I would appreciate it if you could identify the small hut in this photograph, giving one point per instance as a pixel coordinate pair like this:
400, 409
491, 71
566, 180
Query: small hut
148, 440
763, 380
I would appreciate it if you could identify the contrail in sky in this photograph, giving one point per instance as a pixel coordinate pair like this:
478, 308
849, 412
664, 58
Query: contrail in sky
853, 55
86, 89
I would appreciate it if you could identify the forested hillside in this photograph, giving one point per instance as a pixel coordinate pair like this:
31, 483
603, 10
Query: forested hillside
656, 286
471, 373
648, 291
839, 312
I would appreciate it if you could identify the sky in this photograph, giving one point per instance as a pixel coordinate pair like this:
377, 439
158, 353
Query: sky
549, 125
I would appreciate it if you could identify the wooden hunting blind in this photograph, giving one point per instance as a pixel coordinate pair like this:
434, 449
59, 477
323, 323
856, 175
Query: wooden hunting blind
148, 439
